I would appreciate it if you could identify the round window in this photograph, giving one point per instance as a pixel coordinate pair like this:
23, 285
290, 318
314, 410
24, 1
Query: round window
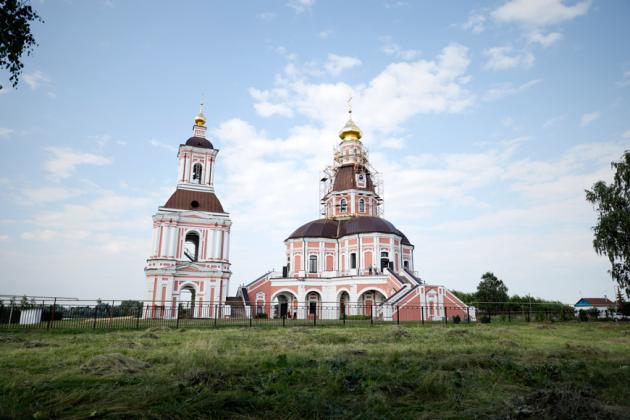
194, 204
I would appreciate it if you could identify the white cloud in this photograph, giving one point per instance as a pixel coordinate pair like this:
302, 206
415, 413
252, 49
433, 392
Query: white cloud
588, 118
503, 58
64, 161
475, 23
336, 64
5, 132
625, 79
546, 40
395, 4
301, 6
540, 12
389, 47
398, 92
326, 34
626, 134
39, 235
4, 238
35, 79
551, 122
266, 16
162, 145
36, 196
502, 90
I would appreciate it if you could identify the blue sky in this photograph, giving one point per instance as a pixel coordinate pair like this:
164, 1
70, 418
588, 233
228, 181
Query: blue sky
486, 119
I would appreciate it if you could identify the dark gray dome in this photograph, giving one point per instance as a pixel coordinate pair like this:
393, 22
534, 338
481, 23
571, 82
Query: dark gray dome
335, 229
199, 142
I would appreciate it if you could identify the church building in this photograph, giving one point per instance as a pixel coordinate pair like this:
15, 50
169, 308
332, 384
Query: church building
191, 238
351, 261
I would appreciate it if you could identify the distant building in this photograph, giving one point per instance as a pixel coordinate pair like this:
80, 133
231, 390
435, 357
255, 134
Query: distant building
603, 305
351, 261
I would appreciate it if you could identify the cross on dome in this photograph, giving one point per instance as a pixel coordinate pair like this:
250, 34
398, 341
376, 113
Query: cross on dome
350, 131
200, 119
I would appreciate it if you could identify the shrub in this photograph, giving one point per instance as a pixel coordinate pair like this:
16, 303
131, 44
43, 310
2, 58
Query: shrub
357, 317
261, 316
456, 319
484, 319
582, 315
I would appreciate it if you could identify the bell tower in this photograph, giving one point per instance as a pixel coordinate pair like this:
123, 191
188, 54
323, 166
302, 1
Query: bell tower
191, 238
350, 187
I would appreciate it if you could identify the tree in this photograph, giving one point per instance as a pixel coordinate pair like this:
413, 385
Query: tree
612, 231
491, 289
15, 35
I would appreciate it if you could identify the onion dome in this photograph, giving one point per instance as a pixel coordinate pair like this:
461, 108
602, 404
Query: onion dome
199, 142
200, 119
335, 229
350, 131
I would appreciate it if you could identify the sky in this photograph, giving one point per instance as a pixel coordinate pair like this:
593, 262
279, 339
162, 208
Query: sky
487, 120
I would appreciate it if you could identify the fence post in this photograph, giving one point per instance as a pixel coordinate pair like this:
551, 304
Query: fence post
283, 322
372, 314
250, 315
344, 315
445, 316
315, 316
95, 312
216, 309
177, 316
111, 315
11, 313
422, 314
51, 317
140, 310
397, 314
468, 313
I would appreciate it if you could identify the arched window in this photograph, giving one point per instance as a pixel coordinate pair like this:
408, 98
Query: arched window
197, 169
191, 246
343, 205
362, 205
312, 264
353, 260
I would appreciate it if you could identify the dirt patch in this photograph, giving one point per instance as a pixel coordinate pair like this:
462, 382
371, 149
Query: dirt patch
34, 344
398, 333
546, 327
158, 329
507, 342
10, 338
559, 404
578, 348
113, 364
149, 334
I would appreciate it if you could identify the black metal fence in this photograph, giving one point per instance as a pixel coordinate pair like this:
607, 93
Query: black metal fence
140, 315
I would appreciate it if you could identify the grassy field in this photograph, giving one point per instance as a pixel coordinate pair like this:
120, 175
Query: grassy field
560, 370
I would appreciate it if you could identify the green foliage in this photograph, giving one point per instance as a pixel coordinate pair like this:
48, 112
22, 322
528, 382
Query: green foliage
467, 298
612, 231
16, 38
593, 313
379, 371
583, 315
485, 319
130, 308
457, 319
491, 289
261, 315
357, 317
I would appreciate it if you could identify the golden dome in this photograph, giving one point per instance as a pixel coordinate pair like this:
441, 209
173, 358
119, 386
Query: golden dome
200, 119
350, 131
